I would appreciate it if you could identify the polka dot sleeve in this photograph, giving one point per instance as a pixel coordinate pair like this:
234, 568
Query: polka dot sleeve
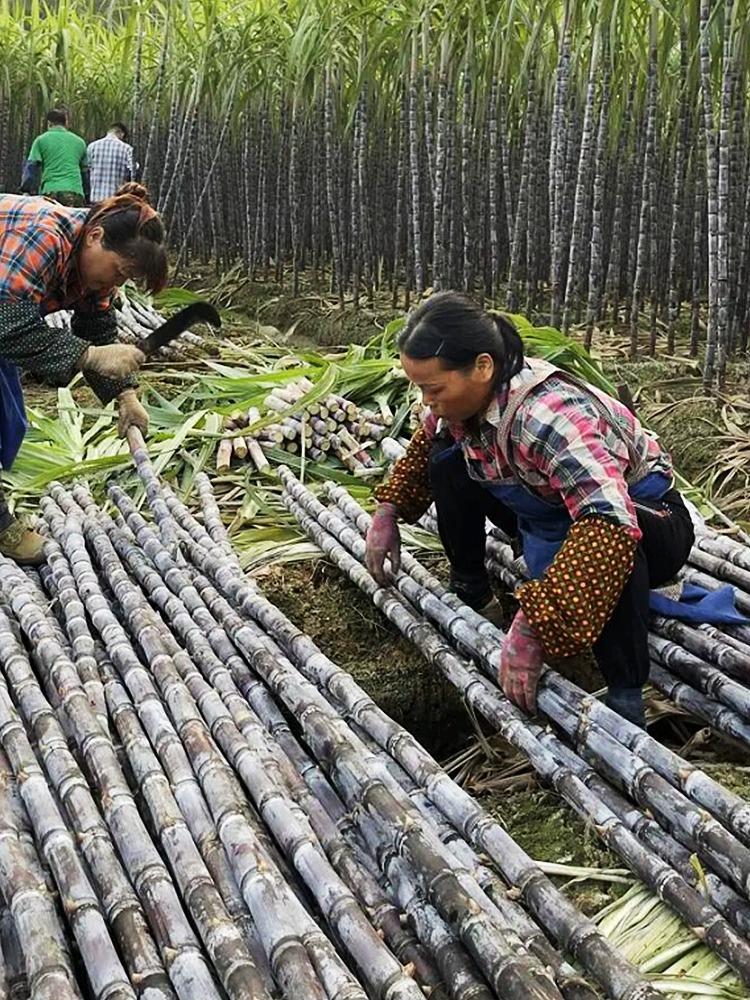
26, 340
570, 605
408, 486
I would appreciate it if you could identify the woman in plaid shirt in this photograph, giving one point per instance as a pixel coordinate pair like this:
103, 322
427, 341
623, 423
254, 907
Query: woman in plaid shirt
554, 463
54, 258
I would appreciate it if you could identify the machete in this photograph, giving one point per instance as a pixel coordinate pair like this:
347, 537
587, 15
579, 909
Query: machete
198, 312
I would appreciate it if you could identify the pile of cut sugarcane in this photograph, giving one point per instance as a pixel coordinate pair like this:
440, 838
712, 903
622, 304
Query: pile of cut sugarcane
136, 319
682, 833
197, 803
332, 426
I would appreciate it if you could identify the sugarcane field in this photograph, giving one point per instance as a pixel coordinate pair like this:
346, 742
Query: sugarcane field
374, 500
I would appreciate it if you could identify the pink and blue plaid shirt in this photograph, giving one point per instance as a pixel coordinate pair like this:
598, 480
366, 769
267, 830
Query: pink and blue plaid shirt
564, 449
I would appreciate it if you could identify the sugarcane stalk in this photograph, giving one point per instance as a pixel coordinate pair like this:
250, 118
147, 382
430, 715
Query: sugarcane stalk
701, 675
77, 896
13, 974
272, 402
721, 568
708, 582
211, 513
708, 645
81, 645
256, 454
253, 416
455, 964
276, 912
146, 473
321, 442
719, 545
716, 715
273, 433
224, 456
30, 931
239, 448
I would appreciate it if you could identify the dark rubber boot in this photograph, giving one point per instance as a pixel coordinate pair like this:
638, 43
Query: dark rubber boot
627, 702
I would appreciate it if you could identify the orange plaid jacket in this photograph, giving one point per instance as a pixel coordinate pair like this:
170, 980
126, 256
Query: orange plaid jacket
38, 276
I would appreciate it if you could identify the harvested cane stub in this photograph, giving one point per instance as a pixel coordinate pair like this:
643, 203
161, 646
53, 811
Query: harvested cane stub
330, 429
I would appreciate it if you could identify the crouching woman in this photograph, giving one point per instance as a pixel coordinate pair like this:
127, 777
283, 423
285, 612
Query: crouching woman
54, 258
553, 462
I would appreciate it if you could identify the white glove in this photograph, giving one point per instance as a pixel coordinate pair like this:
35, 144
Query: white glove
131, 413
112, 360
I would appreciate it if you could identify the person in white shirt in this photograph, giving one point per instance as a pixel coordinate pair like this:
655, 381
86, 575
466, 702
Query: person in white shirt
111, 163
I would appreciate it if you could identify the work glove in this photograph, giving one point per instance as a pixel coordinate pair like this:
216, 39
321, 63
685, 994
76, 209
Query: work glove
112, 360
130, 413
383, 540
521, 664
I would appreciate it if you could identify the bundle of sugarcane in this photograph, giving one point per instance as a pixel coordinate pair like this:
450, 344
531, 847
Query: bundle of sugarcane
278, 672
165, 811
136, 319
683, 810
330, 426
245, 447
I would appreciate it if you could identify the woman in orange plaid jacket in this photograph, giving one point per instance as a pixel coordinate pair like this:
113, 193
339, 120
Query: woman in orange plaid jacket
53, 258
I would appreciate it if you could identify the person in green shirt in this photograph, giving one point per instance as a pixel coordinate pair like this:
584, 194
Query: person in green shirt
57, 165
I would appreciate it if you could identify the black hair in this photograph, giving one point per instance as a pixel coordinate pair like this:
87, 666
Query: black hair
120, 128
57, 116
452, 327
132, 228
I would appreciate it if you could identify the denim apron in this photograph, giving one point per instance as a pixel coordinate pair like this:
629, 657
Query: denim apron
12, 414
544, 526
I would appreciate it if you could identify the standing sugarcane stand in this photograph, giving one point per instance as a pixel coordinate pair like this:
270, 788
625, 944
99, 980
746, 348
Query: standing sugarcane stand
54, 258
554, 463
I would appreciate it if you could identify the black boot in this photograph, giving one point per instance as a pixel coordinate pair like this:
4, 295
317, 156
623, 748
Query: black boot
627, 702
